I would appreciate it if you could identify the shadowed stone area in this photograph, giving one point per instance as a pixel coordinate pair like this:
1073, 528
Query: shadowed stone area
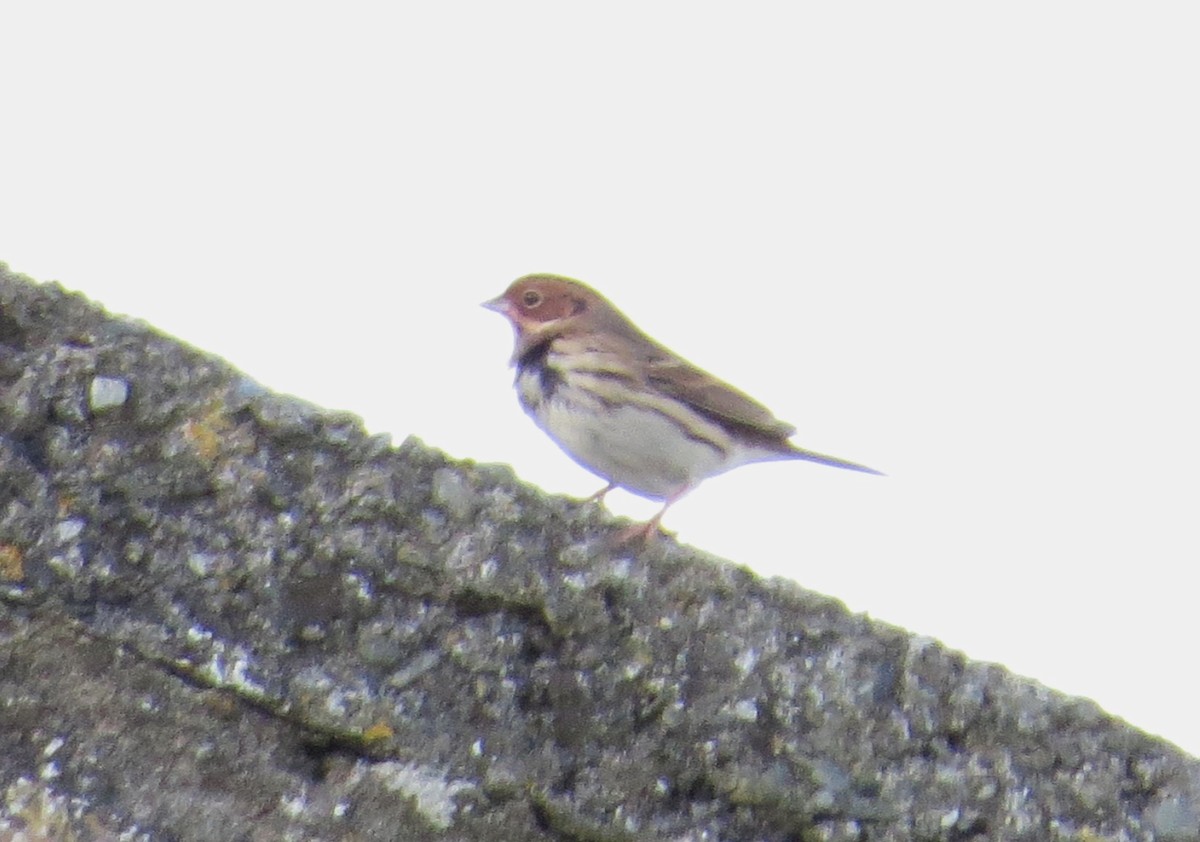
229, 615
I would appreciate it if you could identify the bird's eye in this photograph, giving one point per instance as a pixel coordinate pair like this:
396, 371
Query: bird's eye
531, 298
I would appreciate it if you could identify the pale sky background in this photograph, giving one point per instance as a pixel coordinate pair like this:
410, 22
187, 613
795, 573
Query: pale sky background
957, 242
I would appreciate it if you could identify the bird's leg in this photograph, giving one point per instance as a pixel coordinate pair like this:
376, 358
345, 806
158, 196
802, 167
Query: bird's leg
652, 528
598, 497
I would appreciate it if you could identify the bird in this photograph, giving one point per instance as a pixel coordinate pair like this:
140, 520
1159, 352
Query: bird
625, 407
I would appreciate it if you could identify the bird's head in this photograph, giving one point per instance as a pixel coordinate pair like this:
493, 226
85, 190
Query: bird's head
543, 306
536, 300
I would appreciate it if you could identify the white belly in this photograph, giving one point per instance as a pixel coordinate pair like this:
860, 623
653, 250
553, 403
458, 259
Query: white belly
639, 449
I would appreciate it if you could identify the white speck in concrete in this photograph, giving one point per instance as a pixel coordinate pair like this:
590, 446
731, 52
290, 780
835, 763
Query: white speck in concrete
69, 530
107, 392
432, 791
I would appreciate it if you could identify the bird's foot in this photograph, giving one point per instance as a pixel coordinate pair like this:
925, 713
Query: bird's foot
644, 533
651, 530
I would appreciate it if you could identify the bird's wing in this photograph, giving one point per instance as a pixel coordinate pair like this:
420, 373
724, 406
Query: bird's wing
715, 399
674, 377
622, 352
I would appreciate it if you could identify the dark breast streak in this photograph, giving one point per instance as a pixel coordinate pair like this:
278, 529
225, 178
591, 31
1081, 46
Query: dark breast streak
536, 361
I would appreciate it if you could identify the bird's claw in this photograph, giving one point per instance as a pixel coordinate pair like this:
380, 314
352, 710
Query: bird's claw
647, 533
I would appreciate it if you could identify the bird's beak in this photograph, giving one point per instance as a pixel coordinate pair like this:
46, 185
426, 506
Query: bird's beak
498, 305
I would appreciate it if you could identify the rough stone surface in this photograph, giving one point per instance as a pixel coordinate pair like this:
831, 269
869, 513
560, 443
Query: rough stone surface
229, 615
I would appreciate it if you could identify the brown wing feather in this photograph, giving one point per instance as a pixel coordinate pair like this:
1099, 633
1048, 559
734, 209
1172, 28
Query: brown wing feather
675, 377
717, 400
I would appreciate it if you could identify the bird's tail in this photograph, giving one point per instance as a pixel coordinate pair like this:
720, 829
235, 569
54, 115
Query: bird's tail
832, 461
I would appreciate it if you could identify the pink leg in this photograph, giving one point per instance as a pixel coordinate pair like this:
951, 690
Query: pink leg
652, 528
598, 497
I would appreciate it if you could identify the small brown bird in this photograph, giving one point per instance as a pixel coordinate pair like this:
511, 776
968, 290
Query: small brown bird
625, 407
